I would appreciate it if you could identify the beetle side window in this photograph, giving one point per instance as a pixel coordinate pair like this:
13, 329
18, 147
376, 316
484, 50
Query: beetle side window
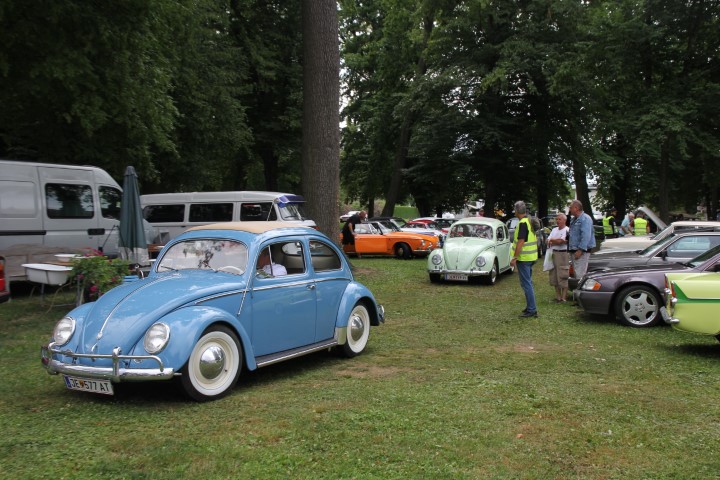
285, 257
69, 201
500, 233
323, 257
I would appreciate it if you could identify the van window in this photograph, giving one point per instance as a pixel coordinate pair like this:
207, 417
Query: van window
110, 201
211, 212
164, 213
69, 201
17, 199
257, 211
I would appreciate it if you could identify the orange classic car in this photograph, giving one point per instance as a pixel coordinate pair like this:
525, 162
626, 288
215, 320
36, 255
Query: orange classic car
373, 238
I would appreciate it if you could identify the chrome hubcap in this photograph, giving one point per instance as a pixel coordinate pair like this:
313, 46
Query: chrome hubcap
212, 362
356, 328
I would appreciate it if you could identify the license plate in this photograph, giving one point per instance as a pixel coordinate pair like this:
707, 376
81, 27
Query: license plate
458, 277
665, 315
89, 385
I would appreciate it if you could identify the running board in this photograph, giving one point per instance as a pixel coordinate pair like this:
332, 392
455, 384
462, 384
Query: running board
266, 360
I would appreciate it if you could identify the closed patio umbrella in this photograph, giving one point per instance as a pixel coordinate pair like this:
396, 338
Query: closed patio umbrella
133, 245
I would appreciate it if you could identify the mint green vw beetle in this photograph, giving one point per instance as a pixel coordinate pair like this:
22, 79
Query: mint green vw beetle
476, 248
693, 302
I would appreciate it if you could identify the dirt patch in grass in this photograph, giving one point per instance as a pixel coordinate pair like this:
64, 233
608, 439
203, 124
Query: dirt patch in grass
363, 271
373, 371
525, 348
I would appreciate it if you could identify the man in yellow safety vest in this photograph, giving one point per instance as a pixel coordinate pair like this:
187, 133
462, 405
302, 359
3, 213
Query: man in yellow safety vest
640, 225
609, 225
525, 254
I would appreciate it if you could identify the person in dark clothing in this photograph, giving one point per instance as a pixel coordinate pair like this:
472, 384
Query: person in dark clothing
348, 231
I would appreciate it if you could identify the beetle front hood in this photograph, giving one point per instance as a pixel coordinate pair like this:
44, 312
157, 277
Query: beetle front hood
121, 316
461, 252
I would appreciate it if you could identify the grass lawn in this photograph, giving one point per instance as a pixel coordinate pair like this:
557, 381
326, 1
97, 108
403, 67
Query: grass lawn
453, 386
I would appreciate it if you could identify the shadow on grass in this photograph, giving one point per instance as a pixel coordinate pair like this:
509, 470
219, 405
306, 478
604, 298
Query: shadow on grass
595, 318
711, 351
171, 392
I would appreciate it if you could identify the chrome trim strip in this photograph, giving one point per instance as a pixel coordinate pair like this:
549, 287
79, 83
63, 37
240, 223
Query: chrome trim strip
220, 295
282, 285
332, 279
115, 373
266, 360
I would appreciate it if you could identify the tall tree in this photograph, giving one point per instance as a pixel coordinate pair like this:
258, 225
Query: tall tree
86, 82
269, 35
321, 118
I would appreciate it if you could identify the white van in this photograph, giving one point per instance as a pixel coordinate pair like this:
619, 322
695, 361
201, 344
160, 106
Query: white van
173, 213
47, 209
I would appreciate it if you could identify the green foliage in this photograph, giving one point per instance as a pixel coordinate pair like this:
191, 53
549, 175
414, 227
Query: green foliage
96, 274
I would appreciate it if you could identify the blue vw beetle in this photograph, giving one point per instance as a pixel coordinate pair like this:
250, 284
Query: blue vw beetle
219, 298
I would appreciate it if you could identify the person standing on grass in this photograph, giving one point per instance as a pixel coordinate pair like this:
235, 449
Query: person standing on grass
558, 244
525, 254
582, 239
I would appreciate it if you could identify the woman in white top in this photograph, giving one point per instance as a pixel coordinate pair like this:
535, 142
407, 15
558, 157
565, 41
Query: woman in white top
558, 243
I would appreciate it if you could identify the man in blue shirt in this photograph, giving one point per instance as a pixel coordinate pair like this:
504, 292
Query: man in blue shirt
582, 239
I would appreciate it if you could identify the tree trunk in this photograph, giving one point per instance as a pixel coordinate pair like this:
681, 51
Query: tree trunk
321, 114
581, 188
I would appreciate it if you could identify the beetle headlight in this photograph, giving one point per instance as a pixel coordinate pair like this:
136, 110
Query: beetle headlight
63, 331
436, 259
480, 261
156, 338
590, 284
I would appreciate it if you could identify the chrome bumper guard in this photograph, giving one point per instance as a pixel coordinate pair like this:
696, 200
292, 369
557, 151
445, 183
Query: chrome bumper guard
115, 374
667, 318
469, 273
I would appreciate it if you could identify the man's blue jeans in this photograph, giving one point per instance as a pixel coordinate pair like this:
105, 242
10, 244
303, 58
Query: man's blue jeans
525, 271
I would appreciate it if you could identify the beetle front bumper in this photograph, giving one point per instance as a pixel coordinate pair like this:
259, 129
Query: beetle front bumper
116, 373
469, 273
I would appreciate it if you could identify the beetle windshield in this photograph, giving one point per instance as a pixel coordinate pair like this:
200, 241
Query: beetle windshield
471, 230
205, 254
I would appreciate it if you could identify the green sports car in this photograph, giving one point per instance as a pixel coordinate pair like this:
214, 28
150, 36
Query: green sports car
475, 248
693, 302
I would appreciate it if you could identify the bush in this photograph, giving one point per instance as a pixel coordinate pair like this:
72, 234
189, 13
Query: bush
97, 274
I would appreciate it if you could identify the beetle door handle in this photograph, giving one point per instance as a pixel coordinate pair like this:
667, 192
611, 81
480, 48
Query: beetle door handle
311, 287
